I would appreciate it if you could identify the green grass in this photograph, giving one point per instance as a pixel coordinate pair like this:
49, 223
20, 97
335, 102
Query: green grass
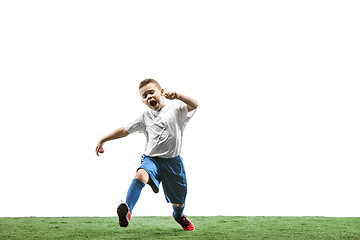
166, 228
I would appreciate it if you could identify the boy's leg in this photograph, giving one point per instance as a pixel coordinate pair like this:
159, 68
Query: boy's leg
125, 209
175, 189
180, 218
141, 178
178, 210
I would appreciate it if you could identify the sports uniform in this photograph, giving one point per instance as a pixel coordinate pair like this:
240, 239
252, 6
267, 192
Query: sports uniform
163, 127
161, 159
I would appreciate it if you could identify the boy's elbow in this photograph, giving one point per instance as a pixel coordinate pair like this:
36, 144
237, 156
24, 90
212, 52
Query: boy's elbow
124, 133
196, 104
193, 107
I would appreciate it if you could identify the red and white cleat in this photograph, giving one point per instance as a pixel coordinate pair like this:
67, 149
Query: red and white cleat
124, 214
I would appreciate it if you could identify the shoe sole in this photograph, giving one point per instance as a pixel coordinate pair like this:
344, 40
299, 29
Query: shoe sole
122, 212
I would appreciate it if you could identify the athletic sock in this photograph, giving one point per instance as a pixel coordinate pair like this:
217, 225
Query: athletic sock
133, 193
178, 212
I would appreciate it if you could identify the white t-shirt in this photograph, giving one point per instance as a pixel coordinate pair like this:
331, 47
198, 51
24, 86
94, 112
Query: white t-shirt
163, 129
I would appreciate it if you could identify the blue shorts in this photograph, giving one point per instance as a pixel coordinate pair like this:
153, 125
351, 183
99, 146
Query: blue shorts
169, 171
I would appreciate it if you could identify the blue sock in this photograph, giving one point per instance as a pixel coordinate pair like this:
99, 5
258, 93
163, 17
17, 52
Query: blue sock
133, 193
178, 211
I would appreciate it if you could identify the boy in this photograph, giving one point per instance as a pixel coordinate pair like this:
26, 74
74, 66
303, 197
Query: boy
163, 127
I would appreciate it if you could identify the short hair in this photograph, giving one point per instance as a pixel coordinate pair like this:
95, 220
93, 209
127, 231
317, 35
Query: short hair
147, 81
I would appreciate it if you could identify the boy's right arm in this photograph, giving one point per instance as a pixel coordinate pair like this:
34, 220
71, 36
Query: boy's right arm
118, 133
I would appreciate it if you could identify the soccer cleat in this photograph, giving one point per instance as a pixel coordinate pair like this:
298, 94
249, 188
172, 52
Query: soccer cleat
124, 214
186, 224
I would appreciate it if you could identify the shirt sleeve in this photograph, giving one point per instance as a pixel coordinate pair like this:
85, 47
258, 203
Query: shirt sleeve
135, 126
184, 113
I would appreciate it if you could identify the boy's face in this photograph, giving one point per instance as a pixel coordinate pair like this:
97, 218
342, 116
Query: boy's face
152, 96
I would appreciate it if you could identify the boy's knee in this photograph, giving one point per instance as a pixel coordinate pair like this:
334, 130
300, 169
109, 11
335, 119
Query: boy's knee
142, 175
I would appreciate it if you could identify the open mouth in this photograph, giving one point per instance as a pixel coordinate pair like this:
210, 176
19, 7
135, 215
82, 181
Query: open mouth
153, 103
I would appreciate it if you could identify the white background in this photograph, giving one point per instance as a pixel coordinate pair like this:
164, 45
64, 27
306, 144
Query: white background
276, 133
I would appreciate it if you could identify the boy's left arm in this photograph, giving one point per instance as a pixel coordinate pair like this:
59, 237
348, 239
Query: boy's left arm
191, 103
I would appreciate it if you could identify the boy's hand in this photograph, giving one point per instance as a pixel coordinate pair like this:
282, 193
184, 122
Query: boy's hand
99, 149
189, 101
172, 95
